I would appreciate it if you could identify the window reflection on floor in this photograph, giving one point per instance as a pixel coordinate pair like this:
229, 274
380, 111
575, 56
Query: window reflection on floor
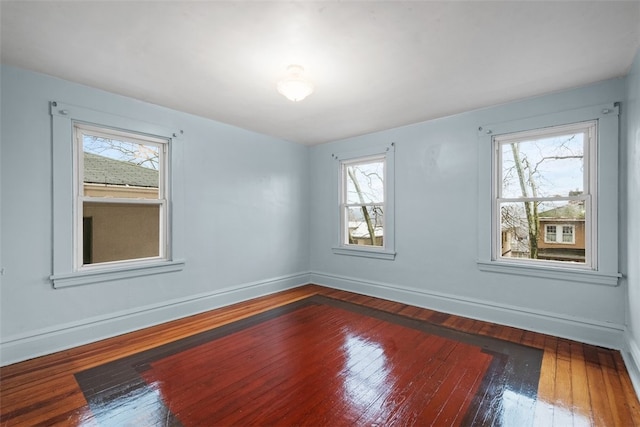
146, 402
367, 379
515, 404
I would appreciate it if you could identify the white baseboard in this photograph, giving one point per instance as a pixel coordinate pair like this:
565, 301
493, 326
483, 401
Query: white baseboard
588, 331
631, 356
21, 347
50, 340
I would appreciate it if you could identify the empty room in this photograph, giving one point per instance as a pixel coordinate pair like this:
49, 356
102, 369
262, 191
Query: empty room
234, 213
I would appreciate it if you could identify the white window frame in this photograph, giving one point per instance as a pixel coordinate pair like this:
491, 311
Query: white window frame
588, 197
162, 201
341, 247
67, 268
604, 266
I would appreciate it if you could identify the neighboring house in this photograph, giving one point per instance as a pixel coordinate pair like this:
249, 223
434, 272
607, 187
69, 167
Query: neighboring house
359, 234
359, 230
515, 242
116, 231
562, 233
514, 235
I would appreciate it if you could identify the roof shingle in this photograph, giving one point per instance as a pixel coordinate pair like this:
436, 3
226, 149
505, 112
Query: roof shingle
104, 170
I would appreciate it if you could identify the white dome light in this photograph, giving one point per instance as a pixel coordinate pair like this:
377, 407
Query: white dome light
294, 86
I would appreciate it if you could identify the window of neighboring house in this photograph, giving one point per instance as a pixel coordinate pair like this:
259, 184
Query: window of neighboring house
567, 236
550, 234
111, 180
538, 211
366, 204
543, 175
121, 198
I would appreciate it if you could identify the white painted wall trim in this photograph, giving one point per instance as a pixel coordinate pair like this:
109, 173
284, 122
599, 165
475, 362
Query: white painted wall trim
21, 347
588, 331
631, 357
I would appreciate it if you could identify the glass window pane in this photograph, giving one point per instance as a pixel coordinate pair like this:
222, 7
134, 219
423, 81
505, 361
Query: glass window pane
365, 225
114, 168
550, 235
365, 182
543, 230
544, 167
567, 234
117, 232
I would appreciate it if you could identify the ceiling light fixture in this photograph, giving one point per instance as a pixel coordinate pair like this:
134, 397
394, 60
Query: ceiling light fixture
295, 86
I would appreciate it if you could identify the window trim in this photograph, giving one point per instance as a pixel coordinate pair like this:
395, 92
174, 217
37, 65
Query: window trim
65, 269
387, 251
605, 213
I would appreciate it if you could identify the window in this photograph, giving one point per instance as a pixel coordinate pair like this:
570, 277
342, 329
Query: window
567, 236
121, 200
551, 234
114, 216
363, 202
548, 196
544, 177
365, 188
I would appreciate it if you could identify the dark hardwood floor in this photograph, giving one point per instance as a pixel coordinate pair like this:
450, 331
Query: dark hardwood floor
323, 357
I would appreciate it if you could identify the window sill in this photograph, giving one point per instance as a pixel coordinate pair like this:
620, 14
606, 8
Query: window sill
573, 275
367, 253
105, 275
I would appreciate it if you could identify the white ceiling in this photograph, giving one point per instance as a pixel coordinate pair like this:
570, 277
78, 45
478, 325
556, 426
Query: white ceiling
375, 65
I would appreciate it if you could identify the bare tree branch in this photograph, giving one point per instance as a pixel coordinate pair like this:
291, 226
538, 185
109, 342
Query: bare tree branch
130, 152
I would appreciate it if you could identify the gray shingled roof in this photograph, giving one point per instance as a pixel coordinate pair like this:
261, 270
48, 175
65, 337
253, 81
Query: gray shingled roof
103, 170
570, 211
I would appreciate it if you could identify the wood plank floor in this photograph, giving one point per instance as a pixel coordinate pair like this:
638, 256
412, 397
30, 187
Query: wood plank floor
456, 371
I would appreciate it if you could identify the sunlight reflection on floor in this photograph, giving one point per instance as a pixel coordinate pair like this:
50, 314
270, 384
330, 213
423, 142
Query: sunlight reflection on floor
366, 379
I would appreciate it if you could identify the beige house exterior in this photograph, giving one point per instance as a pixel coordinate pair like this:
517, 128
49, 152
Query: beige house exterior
572, 250
561, 236
119, 231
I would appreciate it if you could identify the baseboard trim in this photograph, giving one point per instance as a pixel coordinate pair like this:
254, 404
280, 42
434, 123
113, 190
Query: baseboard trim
588, 331
26, 346
631, 357
18, 348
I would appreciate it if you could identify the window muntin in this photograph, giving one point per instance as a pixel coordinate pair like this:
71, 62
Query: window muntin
362, 203
545, 176
121, 196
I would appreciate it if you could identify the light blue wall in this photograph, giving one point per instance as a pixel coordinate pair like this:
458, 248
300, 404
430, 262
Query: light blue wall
437, 229
245, 203
633, 215
258, 218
